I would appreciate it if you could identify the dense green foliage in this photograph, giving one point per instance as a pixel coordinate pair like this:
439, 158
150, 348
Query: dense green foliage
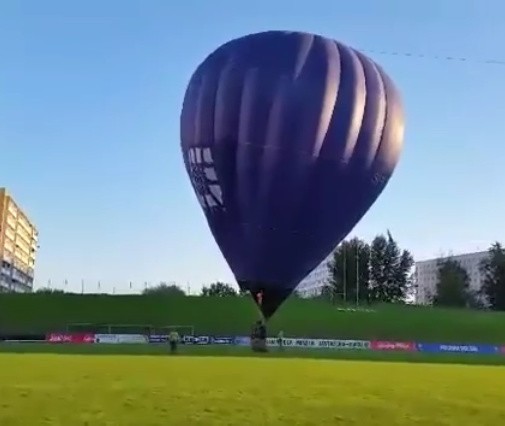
34, 313
493, 269
376, 272
453, 285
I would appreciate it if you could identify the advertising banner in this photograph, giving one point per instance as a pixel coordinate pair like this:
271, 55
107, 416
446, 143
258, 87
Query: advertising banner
441, 348
158, 338
74, 338
119, 339
383, 345
201, 340
24, 337
321, 343
242, 341
195, 340
222, 340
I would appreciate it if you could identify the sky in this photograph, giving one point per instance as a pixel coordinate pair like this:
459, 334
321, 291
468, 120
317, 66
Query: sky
90, 98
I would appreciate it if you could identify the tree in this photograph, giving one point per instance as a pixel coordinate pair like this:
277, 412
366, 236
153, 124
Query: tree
328, 293
47, 290
390, 270
493, 271
243, 293
164, 289
219, 289
296, 295
453, 285
348, 272
476, 299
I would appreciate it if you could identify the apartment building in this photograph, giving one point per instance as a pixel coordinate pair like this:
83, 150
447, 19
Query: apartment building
426, 274
312, 285
18, 246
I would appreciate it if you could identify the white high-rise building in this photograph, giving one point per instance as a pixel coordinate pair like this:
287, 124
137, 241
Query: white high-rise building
312, 285
426, 274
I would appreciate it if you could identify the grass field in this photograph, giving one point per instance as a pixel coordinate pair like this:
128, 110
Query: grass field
41, 313
68, 390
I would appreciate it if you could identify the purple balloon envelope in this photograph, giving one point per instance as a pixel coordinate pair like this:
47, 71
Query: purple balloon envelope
288, 139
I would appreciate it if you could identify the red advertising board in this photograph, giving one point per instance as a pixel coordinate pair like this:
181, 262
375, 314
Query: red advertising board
381, 345
503, 350
76, 338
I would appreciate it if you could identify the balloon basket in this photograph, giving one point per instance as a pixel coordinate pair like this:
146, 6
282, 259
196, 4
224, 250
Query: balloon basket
259, 345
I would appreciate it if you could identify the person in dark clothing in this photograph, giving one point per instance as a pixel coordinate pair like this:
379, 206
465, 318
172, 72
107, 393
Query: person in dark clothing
262, 330
262, 336
173, 340
258, 337
280, 340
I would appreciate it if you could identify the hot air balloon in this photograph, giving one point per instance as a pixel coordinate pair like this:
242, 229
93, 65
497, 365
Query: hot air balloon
288, 138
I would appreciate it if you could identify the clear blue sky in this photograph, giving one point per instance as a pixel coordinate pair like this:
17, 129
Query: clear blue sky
90, 94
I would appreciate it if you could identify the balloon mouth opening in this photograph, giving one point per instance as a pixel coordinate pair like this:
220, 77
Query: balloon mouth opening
268, 297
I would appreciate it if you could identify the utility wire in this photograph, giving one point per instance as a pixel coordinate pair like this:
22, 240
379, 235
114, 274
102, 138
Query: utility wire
435, 57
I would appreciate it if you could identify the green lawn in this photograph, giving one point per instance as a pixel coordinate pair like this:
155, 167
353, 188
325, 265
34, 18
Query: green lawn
39, 313
50, 390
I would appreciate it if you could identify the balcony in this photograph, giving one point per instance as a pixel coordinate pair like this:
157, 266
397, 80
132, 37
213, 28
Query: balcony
13, 210
4, 286
21, 245
11, 222
26, 226
9, 247
21, 233
21, 287
9, 233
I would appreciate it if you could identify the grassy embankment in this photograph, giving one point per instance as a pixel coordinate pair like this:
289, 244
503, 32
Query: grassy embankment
38, 313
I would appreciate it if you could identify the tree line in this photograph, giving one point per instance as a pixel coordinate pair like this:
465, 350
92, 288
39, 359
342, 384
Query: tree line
361, 272
358, 272
217, 289
382, 272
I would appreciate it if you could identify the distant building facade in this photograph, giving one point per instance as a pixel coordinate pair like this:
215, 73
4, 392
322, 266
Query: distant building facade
312, 285
426, 274
18, 246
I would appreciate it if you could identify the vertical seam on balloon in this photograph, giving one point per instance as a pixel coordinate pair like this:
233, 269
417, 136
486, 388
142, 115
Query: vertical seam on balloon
198, 120
316, 49
236, 188
376, 176
249, 79
356, 62
374, 101
365, 99
394, 149
221, 82
331, 99
272, 128
307, 43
